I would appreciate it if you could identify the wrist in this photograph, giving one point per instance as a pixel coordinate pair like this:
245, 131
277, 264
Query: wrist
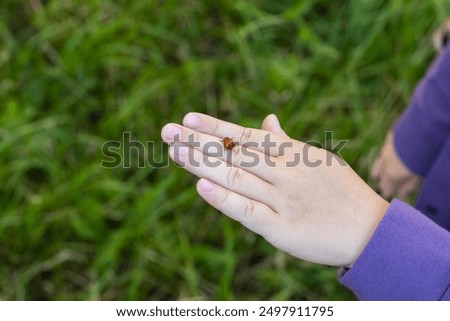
373, 215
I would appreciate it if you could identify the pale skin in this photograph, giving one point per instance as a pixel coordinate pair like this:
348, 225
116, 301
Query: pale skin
324, 214
392, 176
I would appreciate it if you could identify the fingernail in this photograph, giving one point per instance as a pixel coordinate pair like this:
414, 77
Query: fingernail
192, 121
171, 132
206, 185
181, 150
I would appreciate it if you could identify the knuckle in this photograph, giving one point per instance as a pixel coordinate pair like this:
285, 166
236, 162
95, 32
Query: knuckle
196, 137
234, 176
224, 198
249, 209
215, 128
245, 135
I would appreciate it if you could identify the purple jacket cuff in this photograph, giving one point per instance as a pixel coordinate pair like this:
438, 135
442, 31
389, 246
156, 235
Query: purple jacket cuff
407, 258
423, 128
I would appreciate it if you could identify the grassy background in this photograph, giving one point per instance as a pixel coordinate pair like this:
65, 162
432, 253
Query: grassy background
74, 74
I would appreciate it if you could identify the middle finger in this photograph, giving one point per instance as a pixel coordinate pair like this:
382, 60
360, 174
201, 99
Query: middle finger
243, 156
233, 178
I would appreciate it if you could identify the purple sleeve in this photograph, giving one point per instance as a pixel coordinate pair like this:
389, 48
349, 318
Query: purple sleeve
425, 125
407, 258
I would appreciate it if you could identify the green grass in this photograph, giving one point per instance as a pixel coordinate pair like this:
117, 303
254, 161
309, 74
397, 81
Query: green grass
75, 74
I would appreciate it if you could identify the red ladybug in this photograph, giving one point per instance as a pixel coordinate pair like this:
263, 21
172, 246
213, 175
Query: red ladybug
228, 143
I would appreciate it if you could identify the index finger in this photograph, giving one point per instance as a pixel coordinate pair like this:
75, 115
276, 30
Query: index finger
267, 142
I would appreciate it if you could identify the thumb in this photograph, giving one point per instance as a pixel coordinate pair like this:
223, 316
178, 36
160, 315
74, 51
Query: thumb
376, 169
271, 124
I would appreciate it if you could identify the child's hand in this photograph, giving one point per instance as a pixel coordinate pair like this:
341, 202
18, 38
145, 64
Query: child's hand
392, 176
322, 213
